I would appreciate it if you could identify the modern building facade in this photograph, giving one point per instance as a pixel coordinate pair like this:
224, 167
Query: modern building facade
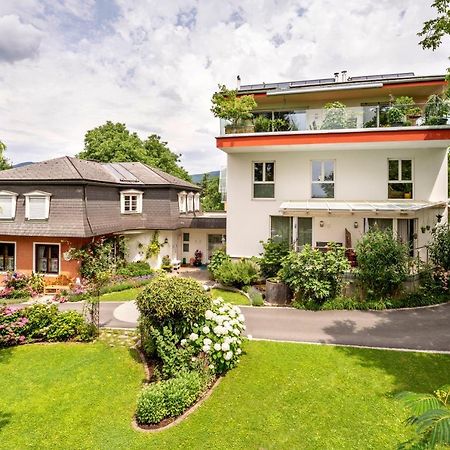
46, 208
310, 172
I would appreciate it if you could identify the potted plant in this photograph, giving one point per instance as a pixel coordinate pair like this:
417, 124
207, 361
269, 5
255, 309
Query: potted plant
395, 116
335, 116
166, 264
277, 292
198, 255
408, 107
437, 110
226, 104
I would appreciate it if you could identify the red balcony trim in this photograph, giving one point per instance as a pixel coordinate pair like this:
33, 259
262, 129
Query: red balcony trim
257, 140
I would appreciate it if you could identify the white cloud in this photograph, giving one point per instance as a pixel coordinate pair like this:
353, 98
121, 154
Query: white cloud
154, 65
18, 40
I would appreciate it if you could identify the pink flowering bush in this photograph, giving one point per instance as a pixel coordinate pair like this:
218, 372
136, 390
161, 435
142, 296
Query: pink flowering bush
12, 326
19, 285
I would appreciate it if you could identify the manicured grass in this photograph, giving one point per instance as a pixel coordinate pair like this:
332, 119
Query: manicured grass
235, 298
121, 296
282, 396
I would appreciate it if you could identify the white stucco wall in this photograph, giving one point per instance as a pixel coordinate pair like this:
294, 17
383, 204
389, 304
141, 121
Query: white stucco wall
360, 175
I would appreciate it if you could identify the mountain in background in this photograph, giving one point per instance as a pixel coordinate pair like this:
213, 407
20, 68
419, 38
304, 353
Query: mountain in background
26, 163
197, 178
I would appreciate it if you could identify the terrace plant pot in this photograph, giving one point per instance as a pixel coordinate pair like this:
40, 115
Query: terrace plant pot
278, 293
238, 129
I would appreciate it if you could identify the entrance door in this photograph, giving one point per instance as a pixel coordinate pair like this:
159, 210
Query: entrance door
405, 233
304, 231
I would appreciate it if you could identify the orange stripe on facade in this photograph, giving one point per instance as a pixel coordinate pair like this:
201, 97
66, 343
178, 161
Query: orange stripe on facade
332, 138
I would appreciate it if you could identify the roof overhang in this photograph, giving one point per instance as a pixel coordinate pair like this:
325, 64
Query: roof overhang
400, 207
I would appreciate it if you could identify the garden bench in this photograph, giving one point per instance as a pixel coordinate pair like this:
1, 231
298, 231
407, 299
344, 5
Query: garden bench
54, 289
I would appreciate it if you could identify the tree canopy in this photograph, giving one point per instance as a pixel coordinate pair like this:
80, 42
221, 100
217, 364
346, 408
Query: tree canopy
113, 142
4, 163
435, 29
211, 197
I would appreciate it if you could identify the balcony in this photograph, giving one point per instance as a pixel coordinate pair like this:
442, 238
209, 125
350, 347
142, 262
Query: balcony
339, 118
336, 125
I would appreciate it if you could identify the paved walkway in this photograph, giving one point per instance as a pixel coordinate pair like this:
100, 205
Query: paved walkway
413, 329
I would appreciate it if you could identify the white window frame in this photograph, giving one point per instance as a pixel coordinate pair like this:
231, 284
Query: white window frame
131, 193
59, 258
15, 254
37, 194
196, 201
322, 172
400, 180
190, 202
264, 179
182, 202
13, 197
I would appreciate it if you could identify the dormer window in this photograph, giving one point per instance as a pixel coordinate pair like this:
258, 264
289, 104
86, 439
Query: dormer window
8, 205
182, 197
131, 202
197, 202
190, 202
37, 205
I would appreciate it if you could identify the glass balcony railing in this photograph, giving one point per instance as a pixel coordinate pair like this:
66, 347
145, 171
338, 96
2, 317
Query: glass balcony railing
336, 118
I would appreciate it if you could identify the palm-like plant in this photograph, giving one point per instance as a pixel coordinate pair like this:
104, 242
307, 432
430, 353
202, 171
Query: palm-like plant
430, 414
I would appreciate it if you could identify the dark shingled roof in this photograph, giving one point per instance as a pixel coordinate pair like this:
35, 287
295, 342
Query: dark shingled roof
68, 168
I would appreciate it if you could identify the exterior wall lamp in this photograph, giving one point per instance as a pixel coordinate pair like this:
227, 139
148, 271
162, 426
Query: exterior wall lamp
321, 224
355, 224
439, 217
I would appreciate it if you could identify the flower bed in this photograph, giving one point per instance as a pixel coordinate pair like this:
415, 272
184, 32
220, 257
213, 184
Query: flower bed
40, 323
18, 285
191, 338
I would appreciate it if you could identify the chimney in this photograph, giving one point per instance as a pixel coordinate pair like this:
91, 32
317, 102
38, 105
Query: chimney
344, 76
238, 82
336, 76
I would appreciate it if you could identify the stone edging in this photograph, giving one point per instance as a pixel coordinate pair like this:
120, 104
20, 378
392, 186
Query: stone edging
183, 416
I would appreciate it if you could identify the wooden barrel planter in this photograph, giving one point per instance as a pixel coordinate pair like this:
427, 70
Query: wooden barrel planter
278, 293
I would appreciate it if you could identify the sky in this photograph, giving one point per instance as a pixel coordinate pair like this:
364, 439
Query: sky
67, 66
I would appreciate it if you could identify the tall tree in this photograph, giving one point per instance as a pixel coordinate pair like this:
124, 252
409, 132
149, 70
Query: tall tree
4, 163
435, 29
211, 197
113, 142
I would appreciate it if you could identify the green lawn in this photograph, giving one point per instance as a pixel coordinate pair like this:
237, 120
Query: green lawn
235, 298
282, 396
121, 296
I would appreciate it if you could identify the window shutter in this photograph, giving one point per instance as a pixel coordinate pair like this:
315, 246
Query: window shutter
37, 208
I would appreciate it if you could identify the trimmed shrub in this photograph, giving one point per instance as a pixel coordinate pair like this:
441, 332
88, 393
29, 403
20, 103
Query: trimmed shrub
135, 269
256, 297
271, 258
173, 302
315, 275
238, 274
169, 398
382, 263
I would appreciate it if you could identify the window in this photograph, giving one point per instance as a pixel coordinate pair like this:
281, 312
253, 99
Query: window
7, 256
264, 180
197, 202
380, 224
190, 202
322, 177
182, 202
281, 229
7, 205
186, 242
400, 178
131, 202
304, 231
37, 205
46, 258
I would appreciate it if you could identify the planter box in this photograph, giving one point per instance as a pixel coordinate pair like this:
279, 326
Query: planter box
230, 129
278, 293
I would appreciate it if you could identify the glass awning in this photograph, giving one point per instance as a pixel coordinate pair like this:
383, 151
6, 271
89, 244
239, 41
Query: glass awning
330, 206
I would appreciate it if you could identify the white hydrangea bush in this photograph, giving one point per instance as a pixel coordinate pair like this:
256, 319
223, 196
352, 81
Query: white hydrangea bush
219, 336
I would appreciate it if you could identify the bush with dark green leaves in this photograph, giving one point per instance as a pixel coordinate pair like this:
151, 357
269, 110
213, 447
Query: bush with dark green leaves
176, 303
382, 263
238, 273
170, 398
439, 246
135, 269
273, 254
315, 275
